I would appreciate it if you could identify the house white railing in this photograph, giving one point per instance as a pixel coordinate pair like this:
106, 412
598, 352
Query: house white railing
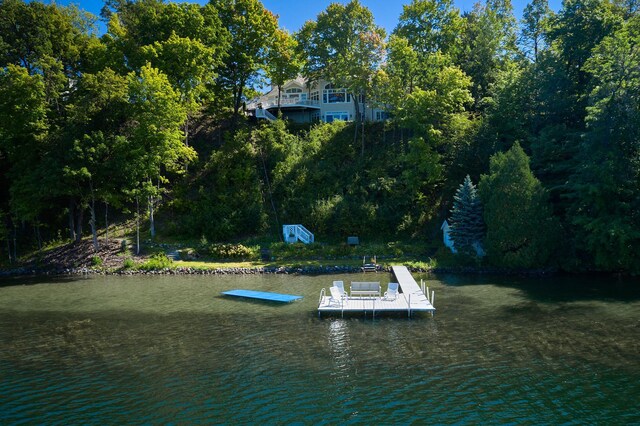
284, 102
295, 233
263, 113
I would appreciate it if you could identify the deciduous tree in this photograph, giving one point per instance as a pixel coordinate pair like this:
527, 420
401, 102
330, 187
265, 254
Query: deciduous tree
345, 47
252, 29
283, 60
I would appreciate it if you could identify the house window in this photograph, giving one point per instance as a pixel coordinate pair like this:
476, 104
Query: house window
336, 115
293, 94
334, 96
315, 96
381, 115
315, 116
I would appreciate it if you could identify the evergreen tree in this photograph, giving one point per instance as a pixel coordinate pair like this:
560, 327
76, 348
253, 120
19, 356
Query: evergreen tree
521, 230
467, 226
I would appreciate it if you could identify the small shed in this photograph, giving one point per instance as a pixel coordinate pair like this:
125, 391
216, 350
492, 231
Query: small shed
446, 237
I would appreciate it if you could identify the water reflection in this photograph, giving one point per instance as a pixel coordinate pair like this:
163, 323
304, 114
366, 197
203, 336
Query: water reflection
340, 346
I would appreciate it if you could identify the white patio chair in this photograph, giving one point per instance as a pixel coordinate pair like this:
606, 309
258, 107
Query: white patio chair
336, 295
392, 292
340, 286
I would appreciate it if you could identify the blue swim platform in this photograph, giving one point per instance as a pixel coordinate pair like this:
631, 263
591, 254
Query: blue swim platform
262, 295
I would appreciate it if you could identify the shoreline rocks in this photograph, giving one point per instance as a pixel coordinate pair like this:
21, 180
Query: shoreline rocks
286, 270
290, 270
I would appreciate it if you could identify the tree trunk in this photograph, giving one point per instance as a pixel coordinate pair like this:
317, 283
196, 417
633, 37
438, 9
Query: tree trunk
92, 222
15, 245
152, 223
186, 130
356, 107
106, 223
9, 248
36, 233
279, 97
237, 98
79, 222
273, 205
364, 112
186, 139
72, 226
137, 226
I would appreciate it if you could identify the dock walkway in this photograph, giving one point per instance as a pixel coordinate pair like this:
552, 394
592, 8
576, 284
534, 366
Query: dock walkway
411, 299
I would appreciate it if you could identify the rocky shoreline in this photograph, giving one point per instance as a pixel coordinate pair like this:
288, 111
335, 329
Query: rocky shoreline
306, 270
79, 258
286, 270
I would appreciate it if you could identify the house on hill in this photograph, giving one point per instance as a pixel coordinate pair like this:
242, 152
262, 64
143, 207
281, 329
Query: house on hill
306, 103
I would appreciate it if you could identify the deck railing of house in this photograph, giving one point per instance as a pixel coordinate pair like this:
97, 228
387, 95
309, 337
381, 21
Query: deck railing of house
273, 103
295, 233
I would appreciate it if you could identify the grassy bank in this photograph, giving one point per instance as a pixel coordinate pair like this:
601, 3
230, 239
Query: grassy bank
119, 255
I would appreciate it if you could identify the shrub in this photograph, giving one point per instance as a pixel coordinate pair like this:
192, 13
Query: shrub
157, 261
96, 261
188, 254
233, 251
128, 263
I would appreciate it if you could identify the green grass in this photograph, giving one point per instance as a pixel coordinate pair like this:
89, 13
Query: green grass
295, 263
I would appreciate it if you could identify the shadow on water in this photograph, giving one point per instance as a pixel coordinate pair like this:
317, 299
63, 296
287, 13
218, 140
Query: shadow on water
21, 280
557, 288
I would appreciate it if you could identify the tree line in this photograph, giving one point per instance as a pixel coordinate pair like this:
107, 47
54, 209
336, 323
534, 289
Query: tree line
147, 119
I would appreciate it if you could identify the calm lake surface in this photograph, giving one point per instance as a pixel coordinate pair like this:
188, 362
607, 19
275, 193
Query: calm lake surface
120, 350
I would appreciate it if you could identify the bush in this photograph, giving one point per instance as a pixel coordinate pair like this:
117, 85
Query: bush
233, 252
188, 254
157, 261
128, 263
96, 261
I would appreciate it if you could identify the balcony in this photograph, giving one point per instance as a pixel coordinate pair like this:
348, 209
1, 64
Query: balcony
285, 102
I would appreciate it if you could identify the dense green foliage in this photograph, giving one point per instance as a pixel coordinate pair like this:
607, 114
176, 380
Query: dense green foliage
521, 231
145, 122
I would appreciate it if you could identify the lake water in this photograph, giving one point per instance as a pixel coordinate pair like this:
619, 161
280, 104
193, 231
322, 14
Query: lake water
120, 350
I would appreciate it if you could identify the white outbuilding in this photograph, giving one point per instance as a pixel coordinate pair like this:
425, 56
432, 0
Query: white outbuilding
446, 237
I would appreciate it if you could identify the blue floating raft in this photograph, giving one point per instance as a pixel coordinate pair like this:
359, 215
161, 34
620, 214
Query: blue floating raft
262, 295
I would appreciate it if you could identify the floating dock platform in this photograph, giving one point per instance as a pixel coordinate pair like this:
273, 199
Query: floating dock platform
412, 298
262, 295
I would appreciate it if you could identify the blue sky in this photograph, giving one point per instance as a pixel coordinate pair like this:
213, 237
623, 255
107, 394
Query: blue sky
293, 13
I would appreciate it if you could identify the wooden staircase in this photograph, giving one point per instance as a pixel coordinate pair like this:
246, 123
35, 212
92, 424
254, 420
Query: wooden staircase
263, 113
297, 233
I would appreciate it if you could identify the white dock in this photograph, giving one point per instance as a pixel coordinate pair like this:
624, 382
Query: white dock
412, 298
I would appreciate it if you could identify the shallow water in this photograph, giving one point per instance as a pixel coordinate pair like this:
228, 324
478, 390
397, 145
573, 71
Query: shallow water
169, 349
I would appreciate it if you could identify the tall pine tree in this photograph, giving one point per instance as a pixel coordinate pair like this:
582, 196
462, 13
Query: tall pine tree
467, 225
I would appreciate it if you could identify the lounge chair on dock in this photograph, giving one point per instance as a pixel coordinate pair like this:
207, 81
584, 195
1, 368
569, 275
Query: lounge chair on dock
392, 292
337, 296
340, 285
